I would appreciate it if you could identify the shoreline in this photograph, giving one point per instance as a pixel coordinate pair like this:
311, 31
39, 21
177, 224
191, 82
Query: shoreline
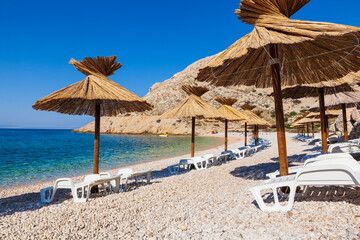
231, 140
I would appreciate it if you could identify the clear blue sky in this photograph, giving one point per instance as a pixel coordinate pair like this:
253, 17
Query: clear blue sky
152, 39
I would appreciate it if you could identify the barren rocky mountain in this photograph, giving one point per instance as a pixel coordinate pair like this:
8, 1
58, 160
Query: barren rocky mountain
167, 94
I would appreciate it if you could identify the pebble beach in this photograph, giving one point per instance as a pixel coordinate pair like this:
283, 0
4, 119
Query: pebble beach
210, 204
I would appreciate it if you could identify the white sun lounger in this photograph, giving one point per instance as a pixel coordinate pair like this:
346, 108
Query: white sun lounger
311, 162
345, 172
128, 173
356, 141
47, 194
237, 153
198, 162
345, 147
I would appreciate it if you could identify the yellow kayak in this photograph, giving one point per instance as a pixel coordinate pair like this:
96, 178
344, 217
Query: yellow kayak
163, 135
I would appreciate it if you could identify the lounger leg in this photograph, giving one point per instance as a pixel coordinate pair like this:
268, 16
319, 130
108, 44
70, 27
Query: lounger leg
148, 175
47, 194
82, 198
256, 191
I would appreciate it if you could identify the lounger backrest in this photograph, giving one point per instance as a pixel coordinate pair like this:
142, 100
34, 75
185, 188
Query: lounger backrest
126, 172
341, 171
335, 145
354, 148
327, 157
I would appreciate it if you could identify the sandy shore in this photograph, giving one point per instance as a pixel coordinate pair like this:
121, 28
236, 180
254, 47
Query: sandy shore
209, 204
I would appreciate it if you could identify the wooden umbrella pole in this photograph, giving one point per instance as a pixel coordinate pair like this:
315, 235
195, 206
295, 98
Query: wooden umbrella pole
256, 134
322, 119
226, 134
192, 136
346, 137
280, 125
245, 134
307, 129
313, 130
96, 139
327, 125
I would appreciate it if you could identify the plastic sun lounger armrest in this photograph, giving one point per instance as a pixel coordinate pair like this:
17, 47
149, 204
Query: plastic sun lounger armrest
59, 183
141, 173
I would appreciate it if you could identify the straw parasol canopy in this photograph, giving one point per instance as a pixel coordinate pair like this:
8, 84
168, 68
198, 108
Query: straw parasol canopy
229, 112
283, 52
193, 107
307, 120
80, 98
253, 119
329, 113
309, 52
335, 101
258, 112
247, 106
96, 96
311, 90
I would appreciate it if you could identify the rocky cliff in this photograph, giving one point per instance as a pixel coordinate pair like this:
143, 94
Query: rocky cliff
167, 94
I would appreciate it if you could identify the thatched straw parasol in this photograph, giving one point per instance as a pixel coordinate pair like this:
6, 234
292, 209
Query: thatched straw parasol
193, 107
340, 101
96, 96
329, 113
258, 112
256, 121
230, 113
308, 52
247, 106
312, 90
306, 121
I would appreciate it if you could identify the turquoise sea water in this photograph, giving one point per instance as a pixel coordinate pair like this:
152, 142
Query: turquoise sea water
29, 156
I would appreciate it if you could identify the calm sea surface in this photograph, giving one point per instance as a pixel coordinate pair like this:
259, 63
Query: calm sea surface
29, 156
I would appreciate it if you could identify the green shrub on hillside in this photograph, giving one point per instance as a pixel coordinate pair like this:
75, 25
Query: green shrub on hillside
291, 114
